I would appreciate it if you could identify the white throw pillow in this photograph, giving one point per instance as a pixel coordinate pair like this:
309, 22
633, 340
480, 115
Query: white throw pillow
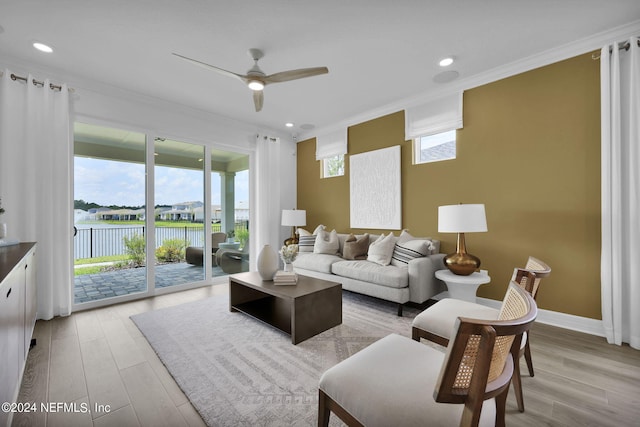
381, 250
326, 243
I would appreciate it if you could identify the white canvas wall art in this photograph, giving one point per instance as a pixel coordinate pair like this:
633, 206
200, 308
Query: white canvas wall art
375, 189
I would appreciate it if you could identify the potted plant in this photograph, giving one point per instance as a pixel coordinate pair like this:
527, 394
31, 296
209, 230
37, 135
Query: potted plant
243, 237
231, 236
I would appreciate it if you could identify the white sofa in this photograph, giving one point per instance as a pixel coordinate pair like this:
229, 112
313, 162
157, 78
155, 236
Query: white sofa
414, 282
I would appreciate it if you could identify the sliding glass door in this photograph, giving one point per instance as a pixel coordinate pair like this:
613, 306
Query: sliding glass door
109, 213
179, 213
151, 214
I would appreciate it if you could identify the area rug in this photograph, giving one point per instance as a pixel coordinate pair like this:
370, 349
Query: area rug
237, 371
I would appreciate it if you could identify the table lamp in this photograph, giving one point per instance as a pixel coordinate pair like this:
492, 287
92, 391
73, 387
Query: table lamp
462, 219
293, 218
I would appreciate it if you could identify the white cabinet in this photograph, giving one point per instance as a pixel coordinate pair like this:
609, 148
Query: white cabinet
17, 317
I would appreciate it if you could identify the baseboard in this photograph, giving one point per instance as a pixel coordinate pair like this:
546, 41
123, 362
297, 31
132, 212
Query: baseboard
561, 320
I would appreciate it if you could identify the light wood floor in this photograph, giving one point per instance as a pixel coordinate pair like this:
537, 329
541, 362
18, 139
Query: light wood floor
99, 357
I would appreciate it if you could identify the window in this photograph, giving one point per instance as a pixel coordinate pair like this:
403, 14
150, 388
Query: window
333, 166
434, 148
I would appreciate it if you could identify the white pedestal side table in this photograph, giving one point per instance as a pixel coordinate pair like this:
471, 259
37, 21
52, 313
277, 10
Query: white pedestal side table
463, 287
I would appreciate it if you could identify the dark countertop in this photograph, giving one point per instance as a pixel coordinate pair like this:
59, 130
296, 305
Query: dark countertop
11, 255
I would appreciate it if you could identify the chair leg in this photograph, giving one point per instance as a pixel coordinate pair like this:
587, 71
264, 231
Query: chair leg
501, 405
415, 334
399, 310
517, 383
527, 356
323, 410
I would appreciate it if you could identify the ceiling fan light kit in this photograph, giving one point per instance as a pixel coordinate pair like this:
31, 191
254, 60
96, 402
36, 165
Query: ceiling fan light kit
256, 79
255, 85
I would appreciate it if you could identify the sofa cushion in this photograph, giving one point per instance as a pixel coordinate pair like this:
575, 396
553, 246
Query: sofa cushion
326, 243
372, 272
316, 262
381, 250
356, 247
409, 250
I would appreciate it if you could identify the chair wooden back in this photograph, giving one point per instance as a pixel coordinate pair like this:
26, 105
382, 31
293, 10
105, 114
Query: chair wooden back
541, 271
478, 365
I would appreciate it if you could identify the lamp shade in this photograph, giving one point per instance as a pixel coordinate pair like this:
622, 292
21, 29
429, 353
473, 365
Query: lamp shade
462, 219
294, 217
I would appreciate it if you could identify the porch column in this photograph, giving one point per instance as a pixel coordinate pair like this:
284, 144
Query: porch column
227, 200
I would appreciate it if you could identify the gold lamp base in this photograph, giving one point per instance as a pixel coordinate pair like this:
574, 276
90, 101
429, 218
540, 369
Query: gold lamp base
293, 240
460, 262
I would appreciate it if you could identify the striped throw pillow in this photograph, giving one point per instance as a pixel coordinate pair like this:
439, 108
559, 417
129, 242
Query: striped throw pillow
409, 250
306, 243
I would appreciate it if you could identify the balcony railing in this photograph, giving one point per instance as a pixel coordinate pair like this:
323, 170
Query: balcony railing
109, 241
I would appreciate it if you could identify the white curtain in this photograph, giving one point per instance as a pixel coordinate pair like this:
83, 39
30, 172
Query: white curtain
35, 183
268, 211
620, 269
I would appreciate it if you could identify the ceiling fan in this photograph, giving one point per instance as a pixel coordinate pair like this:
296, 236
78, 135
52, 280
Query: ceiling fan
256, 79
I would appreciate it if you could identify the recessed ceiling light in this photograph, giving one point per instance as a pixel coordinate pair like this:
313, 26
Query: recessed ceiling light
445, 62
289, 125
42, 47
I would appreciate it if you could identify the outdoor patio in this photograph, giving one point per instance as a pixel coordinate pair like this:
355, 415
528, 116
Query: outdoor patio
91, 287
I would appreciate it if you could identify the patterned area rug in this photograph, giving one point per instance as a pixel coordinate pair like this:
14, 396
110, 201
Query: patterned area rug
237, 371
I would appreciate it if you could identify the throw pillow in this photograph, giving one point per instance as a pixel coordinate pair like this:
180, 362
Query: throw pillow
307, 240
356, 248
412, 249
381, 250
326, 243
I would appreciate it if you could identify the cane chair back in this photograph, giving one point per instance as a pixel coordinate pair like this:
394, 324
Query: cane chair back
541, 271
481, 356
480, 350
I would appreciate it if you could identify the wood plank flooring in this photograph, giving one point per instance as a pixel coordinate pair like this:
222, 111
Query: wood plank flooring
98, 359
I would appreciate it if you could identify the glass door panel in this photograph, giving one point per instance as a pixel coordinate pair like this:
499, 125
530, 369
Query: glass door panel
179, 213
109, 213
230, 211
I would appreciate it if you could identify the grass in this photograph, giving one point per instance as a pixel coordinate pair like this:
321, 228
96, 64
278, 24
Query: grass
87, 270
214, 227
95, 260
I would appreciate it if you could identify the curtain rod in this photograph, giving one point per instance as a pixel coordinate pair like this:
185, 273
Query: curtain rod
625, 46
15, 77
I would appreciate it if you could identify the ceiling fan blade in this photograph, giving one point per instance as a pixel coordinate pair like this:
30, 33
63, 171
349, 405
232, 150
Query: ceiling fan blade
258, 99
286, 76
211, 67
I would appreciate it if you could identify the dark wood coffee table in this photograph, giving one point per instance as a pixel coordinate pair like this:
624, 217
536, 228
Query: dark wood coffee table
302, 310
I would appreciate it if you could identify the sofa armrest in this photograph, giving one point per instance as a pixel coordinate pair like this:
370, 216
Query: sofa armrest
422, 280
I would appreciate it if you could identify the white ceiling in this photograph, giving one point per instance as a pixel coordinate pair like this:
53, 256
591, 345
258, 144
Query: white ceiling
378, 51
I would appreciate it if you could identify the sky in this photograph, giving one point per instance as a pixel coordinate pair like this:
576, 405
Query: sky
108, 182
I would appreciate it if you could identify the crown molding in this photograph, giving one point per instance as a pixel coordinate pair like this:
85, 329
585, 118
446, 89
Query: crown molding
551, 56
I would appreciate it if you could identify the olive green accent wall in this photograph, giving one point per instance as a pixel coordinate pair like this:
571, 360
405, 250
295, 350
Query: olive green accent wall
530, 151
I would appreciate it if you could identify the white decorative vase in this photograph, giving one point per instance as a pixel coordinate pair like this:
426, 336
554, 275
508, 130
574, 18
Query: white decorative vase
3, 230
288, 267
267, 263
